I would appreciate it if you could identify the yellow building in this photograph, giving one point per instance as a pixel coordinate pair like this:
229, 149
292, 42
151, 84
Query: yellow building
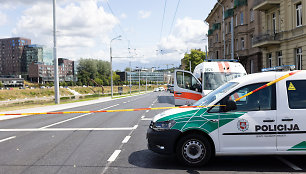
283, 34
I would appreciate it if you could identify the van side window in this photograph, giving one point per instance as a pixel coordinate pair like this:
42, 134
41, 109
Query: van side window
296, 94
187, 81
264, 99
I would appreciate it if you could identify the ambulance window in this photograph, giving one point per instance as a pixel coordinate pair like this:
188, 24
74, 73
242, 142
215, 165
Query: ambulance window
296, 94
263, 99
188, 81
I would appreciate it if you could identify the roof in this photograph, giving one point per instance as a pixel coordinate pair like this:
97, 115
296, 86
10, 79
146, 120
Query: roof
264, 77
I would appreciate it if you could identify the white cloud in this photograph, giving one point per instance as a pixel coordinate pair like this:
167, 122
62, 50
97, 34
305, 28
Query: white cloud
144, 14
187, 34
3, 18
80, 26
123, 16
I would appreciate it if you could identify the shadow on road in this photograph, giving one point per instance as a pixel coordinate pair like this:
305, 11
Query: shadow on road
166, 99
149, 159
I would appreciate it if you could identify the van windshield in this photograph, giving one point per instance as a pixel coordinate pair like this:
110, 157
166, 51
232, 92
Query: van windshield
212, 80
205, 101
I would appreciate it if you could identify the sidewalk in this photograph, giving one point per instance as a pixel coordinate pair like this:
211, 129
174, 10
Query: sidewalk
60, 106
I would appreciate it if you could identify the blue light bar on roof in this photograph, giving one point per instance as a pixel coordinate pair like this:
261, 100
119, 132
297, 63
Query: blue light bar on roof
279, 68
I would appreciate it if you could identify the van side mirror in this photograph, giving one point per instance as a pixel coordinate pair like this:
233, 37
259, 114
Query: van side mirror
230, 105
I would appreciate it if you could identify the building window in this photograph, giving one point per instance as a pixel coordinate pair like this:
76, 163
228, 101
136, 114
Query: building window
242, 43
252, 39
230, 27
279, 58
216, 37
299, 58
226, 28
252, 15
298, 14
269, 60
237, 46
236, 19
274, 23
241, 18
217, 55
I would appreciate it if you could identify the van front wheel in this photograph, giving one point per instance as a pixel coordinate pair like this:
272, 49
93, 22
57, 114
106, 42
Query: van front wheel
193, 150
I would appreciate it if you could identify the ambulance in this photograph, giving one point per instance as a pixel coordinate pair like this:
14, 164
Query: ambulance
208, 76
271, 121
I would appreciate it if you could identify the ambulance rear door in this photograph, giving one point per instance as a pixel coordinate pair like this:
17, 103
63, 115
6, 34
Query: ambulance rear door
187, 88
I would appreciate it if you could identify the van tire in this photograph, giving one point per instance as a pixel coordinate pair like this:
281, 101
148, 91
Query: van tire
193, 150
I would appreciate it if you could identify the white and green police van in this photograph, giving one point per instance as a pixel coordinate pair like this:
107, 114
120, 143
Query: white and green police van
269, 121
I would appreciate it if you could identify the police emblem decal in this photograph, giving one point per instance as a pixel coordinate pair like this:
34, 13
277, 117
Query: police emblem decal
243, 125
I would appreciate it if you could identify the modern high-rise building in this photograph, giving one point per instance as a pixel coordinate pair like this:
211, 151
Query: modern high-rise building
246, 24
11, 50
31, 53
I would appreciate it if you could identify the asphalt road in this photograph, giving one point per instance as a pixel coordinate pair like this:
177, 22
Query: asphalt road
109, 143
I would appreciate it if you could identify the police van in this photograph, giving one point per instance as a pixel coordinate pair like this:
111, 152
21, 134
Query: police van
206, 77
269, 121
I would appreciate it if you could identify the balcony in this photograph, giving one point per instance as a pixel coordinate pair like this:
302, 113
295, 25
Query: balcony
228, 13
268, 39
238, 3
264, 5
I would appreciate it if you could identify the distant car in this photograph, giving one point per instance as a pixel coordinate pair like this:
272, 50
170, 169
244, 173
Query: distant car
161, 89
156, 90
42, 87
21, 88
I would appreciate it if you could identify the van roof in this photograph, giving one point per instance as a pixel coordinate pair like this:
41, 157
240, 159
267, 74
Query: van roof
268, 76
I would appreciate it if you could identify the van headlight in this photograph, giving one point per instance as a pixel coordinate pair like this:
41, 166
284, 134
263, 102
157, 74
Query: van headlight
162, 125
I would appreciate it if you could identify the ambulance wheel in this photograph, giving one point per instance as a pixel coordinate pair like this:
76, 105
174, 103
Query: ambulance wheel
193, 150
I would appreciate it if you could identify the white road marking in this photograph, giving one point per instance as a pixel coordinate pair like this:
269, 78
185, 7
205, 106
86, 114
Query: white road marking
114, 156
135, 127
149, 119
147, 110
124, 102
9, 138
64, 121
75, 117
126, 139
289, 163
66, 129
142, 117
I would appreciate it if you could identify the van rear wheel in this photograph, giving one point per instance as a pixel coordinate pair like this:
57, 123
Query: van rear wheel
193, 150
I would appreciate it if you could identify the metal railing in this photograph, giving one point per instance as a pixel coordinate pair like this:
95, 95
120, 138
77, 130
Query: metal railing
268, 36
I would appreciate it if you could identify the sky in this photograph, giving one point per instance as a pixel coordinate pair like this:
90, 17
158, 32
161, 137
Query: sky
154, 33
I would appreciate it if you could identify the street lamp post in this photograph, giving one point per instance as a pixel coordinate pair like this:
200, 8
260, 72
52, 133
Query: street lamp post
223, 28
111, 61
56, 80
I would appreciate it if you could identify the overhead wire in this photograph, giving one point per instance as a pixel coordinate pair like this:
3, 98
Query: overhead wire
161, 30
177, 6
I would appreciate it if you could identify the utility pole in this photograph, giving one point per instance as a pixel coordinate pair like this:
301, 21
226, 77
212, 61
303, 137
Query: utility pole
223, 31
139, 79
232, 36
56, 80
111, 62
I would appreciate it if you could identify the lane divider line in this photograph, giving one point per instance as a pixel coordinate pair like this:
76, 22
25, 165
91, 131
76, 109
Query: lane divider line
67, 129
114, 156
54, 124
6, 139
135, 127
289, 163
142, 117
126, 139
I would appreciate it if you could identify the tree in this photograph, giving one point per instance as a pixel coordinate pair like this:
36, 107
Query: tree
196, 57
92, 69
1, 85
127, 69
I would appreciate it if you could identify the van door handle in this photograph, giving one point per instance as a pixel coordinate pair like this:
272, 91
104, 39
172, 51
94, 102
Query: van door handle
287, 119
268, 121
178, 93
